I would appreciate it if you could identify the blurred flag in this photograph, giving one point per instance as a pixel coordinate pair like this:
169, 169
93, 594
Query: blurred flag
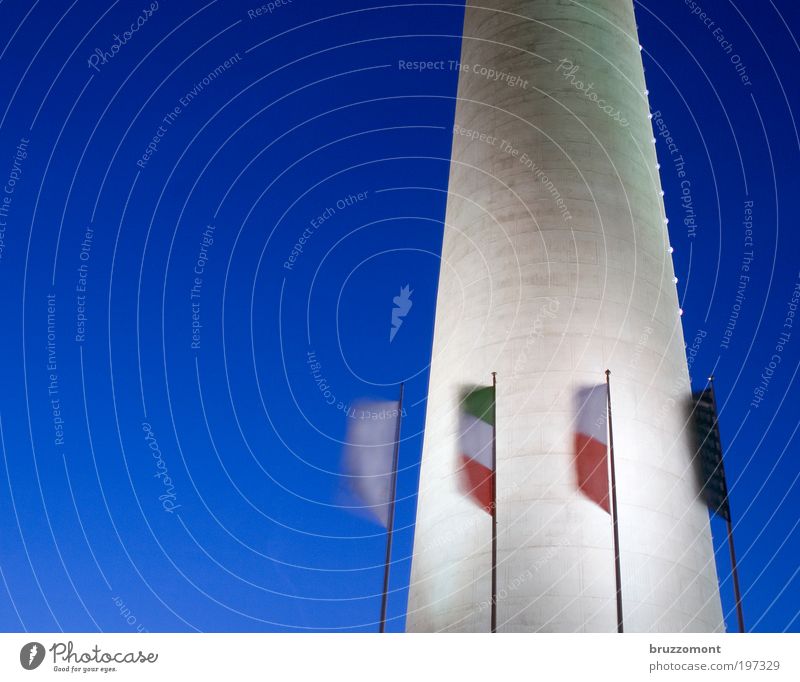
709, 449
591, 443
370, 454
476, 439
715, 487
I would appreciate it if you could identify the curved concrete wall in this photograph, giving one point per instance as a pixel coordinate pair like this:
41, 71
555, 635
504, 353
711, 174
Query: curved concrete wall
555, 267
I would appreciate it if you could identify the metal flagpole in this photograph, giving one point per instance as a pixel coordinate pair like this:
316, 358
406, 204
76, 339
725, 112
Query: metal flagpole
494, 504
390, 520
614, 519
734, 569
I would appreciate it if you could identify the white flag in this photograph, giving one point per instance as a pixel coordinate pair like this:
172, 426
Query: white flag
369, 455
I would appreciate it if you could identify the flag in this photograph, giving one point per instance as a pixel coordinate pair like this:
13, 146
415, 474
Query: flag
591, 443
476, 441
709, 450
369, 458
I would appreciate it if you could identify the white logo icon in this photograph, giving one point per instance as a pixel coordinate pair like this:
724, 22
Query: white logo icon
402, 304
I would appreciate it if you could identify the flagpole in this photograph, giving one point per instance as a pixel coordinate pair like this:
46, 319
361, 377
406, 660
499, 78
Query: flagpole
390, 520
734, 569
614, 519
494, 506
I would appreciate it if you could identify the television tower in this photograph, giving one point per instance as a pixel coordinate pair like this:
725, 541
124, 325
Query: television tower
556, 266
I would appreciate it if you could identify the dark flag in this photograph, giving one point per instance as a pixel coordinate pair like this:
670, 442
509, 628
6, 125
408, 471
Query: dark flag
715, 487
709, 450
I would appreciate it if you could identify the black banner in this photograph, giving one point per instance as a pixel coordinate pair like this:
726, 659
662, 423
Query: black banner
709, 450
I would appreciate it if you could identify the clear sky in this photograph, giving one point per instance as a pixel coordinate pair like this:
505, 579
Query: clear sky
208, 220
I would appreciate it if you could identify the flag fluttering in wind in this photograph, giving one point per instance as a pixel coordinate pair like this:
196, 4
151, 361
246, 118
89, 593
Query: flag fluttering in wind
369, 455
594, 463
476, 440
371, 458
709, 452
591, 443
715, 486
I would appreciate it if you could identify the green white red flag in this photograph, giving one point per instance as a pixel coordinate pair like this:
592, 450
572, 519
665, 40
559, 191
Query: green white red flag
591, 443
476, 442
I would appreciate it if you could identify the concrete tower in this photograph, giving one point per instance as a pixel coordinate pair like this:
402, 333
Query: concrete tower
556, 266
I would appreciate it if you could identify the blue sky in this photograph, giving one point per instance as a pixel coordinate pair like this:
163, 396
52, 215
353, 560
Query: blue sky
163, 476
